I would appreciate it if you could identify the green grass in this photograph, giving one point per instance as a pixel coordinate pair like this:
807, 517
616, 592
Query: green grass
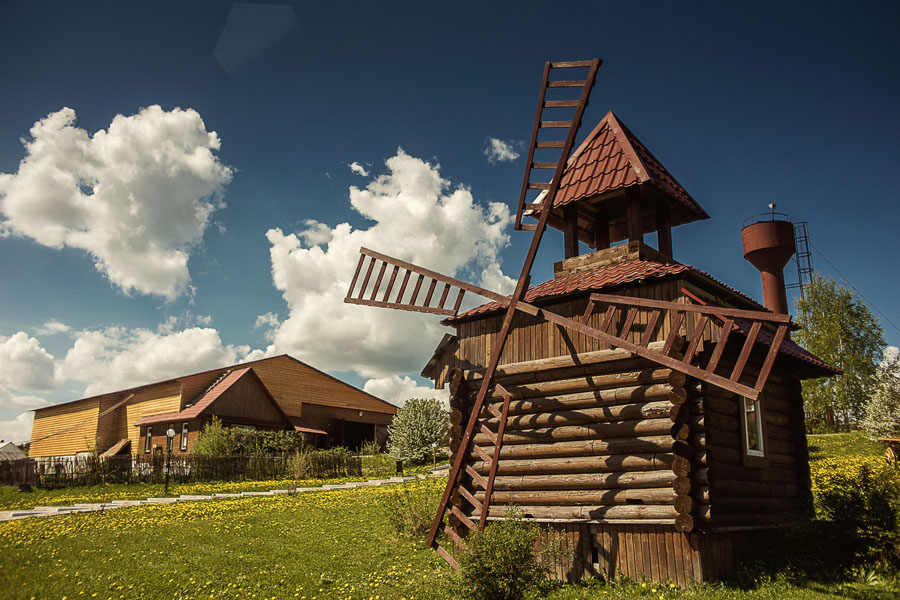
325, 545
856, 444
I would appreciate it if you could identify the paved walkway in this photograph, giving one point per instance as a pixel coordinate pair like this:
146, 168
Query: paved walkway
45, 511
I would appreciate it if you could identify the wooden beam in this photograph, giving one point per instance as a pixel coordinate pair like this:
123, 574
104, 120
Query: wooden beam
570, 229
663, 229
633, 215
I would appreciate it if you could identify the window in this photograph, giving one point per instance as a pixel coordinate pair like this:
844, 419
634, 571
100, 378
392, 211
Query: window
149, 440
184, 436
753, 428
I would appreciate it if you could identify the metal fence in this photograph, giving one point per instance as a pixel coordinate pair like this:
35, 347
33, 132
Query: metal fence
91, 470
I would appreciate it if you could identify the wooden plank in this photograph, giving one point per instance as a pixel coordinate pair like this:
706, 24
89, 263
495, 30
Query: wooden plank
446, 556
650, 328
629, 321
387, 291
468, 496
464, 519
458, 541
674, 328
415, 294
444, 295
550, 144
430, 292
770, 358
566, 83
365, 283
671, 560
459, 299
403, 287
745, 351
378, 280
409, 307
720, 346
734, 313
476, 476
482, 455
699, 326
355, 275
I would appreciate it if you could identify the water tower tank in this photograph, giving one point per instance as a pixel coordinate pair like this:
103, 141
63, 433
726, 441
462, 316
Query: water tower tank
768, 243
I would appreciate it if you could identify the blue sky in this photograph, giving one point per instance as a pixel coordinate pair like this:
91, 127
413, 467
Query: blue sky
745, 103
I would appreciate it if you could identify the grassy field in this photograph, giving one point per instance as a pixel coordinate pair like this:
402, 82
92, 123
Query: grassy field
322, 545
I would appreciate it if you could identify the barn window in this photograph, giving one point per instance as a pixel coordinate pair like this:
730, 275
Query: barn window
149, 439
184, 436
753, 432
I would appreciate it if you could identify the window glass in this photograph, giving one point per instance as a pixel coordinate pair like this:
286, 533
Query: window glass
184, 436
753, 427
149, 439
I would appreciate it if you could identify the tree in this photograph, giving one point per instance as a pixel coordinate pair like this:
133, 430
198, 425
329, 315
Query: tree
838, 328
418, 424
882, 414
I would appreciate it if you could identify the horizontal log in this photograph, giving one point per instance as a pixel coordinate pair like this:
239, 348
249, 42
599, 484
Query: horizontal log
597, 464
747, 520
779, 419
683, 503
682, 485
610, 497
780, 447
587, 481
623, 412
742, 473
756, 489
700, 476
727, 505
588, 383
723, 406
716, 421
722, 454
626, 511
729, 439
684, 523
594, 398
642, 427
781, 459
507, 373
456, 417
595, 447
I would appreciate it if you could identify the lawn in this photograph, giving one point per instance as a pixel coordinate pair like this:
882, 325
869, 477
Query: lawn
320, 545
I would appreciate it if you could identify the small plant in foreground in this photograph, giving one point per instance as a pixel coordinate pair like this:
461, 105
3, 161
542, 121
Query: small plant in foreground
501, 561
410, 510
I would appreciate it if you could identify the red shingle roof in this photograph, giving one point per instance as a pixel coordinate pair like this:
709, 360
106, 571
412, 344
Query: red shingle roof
201, 404
612, 158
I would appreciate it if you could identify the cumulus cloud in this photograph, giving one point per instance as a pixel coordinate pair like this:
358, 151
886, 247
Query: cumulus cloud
497, 150
116, 357
358, 169
418, 217
25, 366
17, 430
137, 196
52, 327
397, 390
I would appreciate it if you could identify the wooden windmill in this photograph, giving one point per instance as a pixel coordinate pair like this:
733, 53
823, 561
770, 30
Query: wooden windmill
611, 320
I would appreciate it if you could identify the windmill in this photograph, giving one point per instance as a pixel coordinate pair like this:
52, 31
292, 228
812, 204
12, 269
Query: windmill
377, 274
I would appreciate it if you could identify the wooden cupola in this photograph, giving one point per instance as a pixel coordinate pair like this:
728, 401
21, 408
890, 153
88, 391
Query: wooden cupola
614, 189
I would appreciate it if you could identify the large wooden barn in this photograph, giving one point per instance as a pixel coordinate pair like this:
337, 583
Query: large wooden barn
273, 394
657, 471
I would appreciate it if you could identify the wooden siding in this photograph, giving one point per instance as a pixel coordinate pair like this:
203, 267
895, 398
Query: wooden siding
164, 398
656, 553
246, 399
65, 430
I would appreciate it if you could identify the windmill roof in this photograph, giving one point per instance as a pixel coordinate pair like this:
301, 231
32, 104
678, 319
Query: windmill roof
611, 158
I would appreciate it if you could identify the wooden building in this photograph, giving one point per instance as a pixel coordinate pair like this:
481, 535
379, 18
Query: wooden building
665, 471
272, 394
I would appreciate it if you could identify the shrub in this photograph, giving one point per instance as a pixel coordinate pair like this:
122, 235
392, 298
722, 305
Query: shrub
501, 562
217, 440
860, 498
410, 510
881, 417
418, 425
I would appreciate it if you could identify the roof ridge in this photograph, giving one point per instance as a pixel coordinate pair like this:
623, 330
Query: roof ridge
621, 133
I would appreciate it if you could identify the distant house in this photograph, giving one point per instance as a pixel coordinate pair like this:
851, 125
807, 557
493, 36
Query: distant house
10, 451
271, 394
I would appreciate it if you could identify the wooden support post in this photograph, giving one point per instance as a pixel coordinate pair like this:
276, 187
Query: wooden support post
663, 229
633, 223
601, 231
570, 232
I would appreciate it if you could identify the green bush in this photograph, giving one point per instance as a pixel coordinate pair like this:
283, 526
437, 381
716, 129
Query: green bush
419, 426
861, 499
501, 562
217, 440
410, 509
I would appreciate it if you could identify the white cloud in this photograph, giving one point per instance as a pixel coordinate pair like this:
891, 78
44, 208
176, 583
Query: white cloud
52, 327
397, 390
417, 217
358, 169
17, 430
11, 400
25, 365
497, 150
116, 358
136, 196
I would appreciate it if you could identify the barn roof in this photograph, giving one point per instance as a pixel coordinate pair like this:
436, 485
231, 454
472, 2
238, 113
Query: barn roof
610, 159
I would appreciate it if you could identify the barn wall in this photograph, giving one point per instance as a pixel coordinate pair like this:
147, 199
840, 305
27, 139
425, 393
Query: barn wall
246, 399
64, 430
158, 399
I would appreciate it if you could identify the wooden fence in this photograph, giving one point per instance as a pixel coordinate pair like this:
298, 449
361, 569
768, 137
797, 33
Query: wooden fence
91, 470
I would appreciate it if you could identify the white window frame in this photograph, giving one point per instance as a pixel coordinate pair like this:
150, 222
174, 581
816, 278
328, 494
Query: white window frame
149, 441
184, 436
757, 409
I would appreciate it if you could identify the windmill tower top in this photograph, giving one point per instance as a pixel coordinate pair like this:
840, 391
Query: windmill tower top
614, 189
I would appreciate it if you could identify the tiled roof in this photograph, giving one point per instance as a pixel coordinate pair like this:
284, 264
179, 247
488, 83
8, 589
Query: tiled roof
201, 404
622, 273
612, 158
